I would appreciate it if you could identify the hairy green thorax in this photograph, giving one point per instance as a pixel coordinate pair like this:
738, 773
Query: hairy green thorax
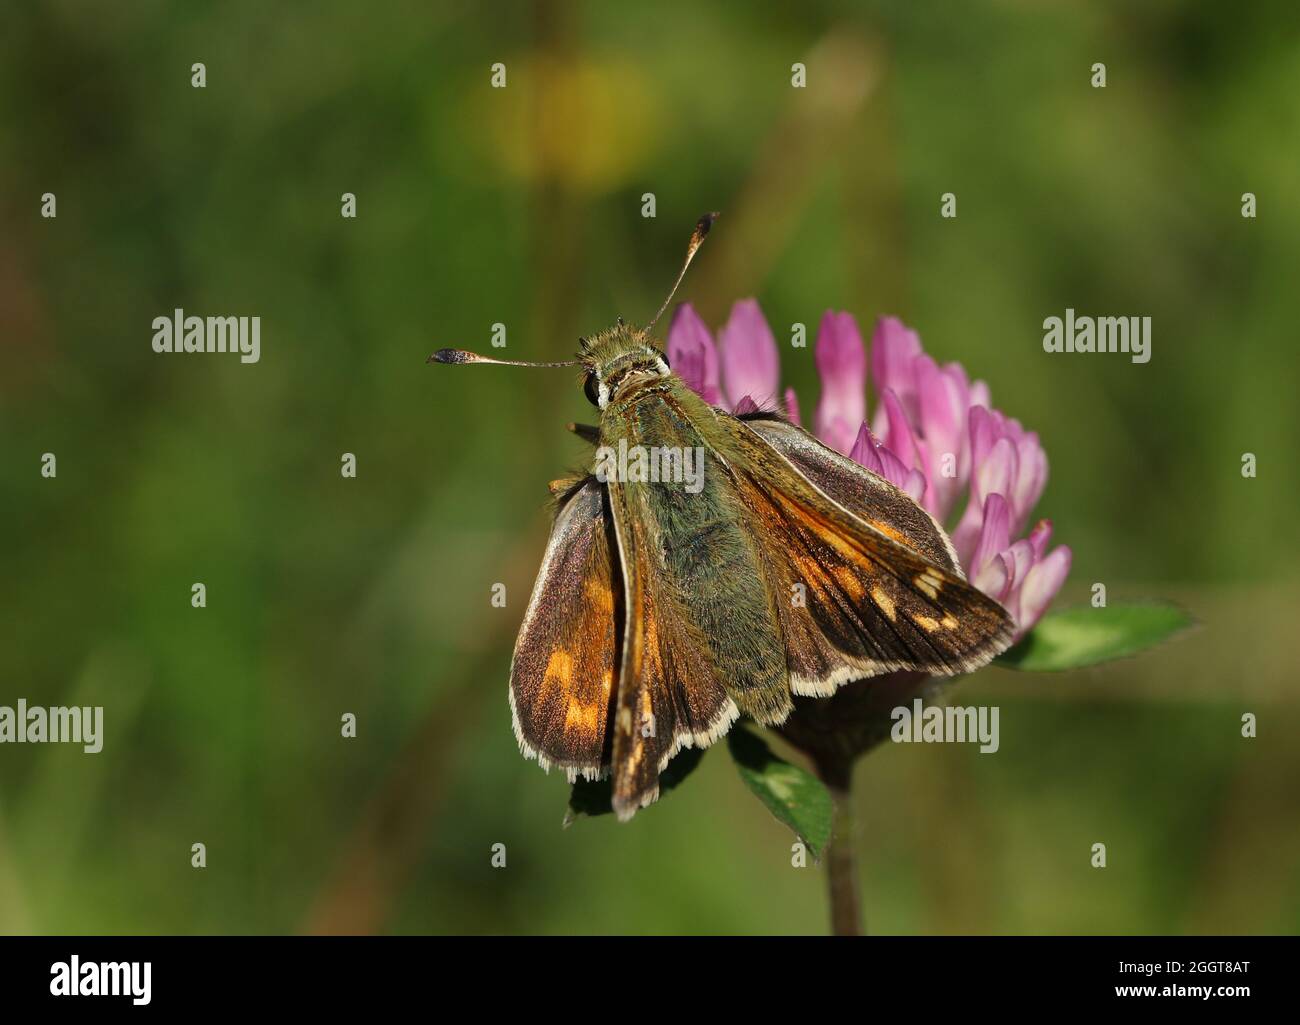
704, 564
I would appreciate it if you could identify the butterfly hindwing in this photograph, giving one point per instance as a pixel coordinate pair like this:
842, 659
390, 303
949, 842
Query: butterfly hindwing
563, 671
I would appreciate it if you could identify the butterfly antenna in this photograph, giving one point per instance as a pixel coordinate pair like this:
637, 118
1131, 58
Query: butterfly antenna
702, 227
461, 356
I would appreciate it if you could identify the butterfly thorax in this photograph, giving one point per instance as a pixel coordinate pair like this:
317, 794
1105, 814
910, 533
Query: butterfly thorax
619, 357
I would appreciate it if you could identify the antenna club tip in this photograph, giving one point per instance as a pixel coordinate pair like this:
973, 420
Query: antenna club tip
702, 227
451, 356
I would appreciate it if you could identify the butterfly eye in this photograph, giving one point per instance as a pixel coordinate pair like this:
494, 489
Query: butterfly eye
663, 356
592, 390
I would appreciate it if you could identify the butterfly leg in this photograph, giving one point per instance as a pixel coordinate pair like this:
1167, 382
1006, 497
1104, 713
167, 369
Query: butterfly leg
586, 432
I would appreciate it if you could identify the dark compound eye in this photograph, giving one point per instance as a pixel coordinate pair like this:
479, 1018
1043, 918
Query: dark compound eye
663, 356
592, 390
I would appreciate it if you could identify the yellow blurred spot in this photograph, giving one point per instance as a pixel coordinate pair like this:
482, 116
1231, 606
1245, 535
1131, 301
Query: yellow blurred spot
587, 123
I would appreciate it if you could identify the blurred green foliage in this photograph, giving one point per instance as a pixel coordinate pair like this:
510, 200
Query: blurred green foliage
522, 206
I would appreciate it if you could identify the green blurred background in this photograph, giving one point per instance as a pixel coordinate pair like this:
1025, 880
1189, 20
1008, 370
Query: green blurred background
523, 206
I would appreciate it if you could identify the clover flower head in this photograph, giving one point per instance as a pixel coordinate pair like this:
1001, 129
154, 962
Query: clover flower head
933, 433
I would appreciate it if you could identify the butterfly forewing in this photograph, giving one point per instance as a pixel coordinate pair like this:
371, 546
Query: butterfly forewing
870, 579
874, 500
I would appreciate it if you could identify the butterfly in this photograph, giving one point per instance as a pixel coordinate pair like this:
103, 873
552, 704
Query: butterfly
713, 565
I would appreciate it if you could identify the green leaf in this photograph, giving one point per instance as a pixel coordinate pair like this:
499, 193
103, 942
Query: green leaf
594, 797
793, 795
1084, 636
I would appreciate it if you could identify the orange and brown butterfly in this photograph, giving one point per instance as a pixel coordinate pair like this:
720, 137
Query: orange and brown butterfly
715, 565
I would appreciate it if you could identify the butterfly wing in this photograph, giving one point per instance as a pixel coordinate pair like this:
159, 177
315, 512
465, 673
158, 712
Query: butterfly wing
562, 674
870, 581
701, 644
872, 498
713, 575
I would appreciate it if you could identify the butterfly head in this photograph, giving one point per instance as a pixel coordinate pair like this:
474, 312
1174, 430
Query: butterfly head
617, 357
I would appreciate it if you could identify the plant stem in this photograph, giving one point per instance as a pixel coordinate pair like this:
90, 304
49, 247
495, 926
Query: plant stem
841, 860
834, 732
